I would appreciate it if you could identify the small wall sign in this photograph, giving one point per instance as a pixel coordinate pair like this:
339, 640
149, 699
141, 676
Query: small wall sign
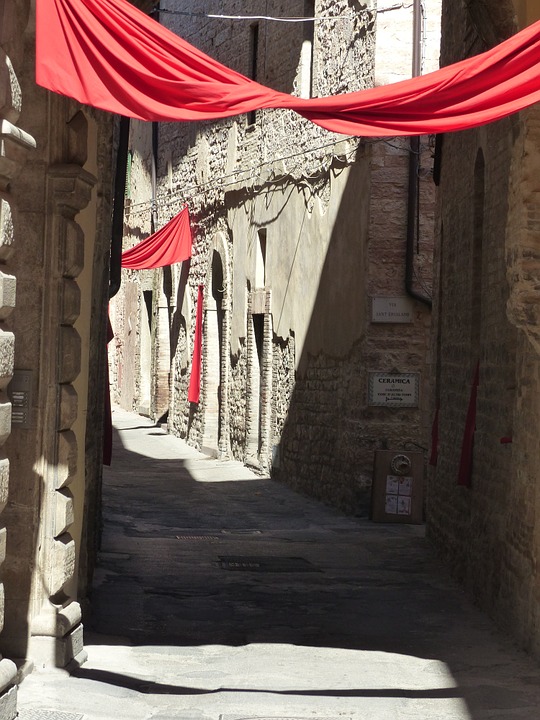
392, 310
393, 389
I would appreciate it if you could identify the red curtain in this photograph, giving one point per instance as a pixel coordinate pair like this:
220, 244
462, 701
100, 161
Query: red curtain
109, 54
194, 392
171, 244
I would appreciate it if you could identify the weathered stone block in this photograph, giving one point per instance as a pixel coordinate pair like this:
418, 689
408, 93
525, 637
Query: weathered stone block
67, 618
69, 362
71, 302
66, 463
64, 514
8, 704
8, 673
4, 482
8, 291
7, 354
72, 250
10, 90
3, 545
68, 407
62, 562
6, 230
72, 187
5, 422
70, 647
2, 606
56, 620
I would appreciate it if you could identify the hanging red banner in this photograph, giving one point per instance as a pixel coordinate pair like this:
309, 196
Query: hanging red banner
109, 54
172, 244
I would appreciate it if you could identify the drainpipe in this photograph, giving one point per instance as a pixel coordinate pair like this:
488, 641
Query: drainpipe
414, 165
115, 266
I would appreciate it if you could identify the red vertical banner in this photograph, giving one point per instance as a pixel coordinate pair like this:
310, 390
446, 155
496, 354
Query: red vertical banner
194, 392
467, 446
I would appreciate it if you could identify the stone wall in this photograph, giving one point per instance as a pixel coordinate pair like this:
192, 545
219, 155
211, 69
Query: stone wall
62, 223
486, 300
294, 228
15, 143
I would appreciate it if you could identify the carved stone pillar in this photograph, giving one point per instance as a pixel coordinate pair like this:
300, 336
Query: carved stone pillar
13, 145
56, 629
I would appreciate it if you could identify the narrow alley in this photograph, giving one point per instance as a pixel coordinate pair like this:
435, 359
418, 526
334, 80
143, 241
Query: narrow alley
221, 595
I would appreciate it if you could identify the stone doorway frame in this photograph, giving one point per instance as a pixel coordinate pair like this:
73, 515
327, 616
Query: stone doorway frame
220, 246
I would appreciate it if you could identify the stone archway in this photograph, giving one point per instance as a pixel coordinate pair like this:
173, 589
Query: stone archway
216, 354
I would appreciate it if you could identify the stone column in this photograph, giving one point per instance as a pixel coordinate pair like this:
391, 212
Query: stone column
13, 143
56, 630
266, 384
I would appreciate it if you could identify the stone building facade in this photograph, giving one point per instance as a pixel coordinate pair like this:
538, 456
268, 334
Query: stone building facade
486, 312
296, 232
55, 206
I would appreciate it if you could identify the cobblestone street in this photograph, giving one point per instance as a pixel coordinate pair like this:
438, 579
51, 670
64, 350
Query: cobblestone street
223, 595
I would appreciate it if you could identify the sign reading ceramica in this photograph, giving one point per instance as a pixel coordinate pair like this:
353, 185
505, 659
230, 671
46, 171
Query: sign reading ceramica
393, 389
392, 310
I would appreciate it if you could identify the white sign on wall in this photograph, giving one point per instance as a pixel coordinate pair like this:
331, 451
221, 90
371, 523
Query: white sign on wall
392, 310
393, 389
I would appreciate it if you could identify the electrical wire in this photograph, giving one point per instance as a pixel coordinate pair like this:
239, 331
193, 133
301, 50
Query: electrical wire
284, 19
250, 173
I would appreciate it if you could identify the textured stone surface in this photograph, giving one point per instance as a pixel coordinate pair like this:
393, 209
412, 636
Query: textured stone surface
64, 515
4, 482
68, 403
72, 249
66, 464
317, 226
7, 354
5, 421
71, 302
487, 311
69, 360
8, 704
380, 633
62, 561
69, 646
6, 229
8, 291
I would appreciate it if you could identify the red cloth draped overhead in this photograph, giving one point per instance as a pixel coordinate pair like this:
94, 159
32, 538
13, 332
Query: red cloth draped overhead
171, 244
109, 54
194, 391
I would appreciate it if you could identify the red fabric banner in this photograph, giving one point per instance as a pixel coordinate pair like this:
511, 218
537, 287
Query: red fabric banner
109, 54
194, 392
467, 445
171, 244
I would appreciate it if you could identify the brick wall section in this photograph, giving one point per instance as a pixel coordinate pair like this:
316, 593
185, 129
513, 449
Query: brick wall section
489, 533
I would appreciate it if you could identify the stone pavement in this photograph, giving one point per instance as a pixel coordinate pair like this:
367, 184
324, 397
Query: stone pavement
221, 595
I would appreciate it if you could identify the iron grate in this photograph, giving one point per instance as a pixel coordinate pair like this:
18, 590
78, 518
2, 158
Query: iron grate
266, 563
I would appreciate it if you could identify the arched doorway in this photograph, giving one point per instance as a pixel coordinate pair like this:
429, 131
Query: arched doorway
216, 355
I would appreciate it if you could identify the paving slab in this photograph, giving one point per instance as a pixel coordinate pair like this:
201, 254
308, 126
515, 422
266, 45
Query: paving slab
203, 608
